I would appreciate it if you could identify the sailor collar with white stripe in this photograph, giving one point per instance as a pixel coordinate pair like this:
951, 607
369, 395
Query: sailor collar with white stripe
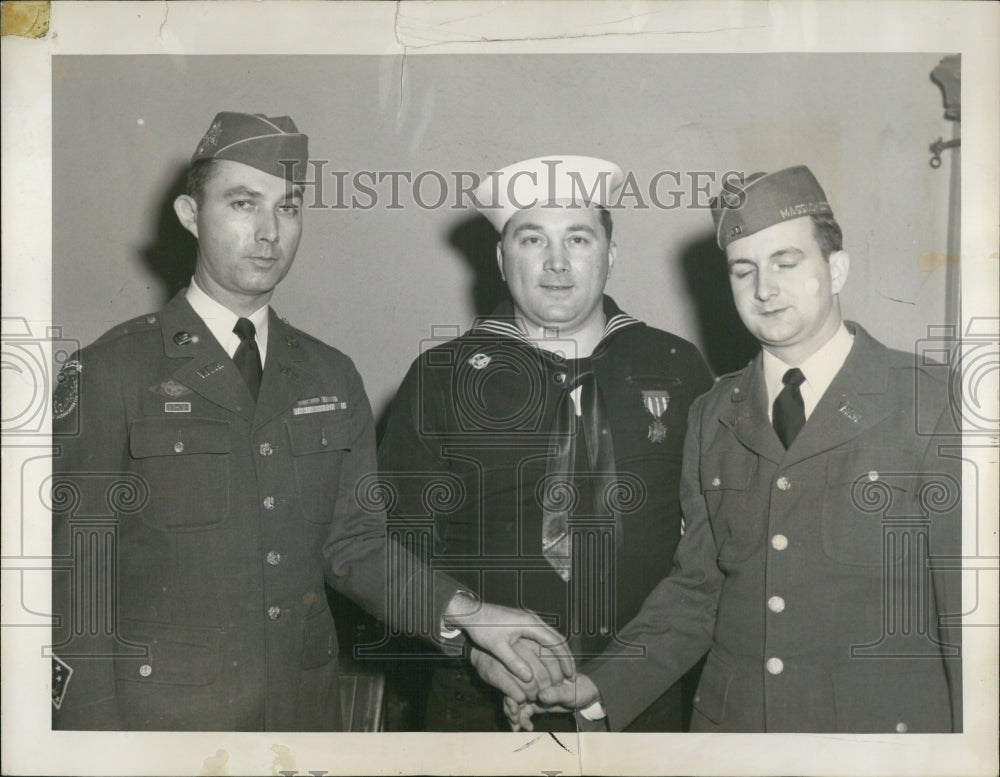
503, 322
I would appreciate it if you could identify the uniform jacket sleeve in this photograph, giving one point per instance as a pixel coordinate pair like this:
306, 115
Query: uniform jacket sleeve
674, 626
386, 578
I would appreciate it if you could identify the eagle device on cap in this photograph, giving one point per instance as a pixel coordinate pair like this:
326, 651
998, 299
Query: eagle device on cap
575, 181
272, 144
767, 199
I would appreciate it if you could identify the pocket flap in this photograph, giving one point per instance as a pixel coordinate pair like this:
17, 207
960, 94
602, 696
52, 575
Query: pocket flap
869, 465
177, 437
727, 473
319, 638
319, 433
176, 655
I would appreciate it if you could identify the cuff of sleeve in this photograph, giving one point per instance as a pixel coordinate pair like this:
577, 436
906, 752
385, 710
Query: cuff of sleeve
594, 712
447, 631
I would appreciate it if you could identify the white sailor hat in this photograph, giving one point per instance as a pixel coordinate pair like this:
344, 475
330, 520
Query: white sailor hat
575, 181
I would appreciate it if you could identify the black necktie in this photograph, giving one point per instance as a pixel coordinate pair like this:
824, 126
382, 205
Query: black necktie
247, 356
789, 413
564, 474
559, 496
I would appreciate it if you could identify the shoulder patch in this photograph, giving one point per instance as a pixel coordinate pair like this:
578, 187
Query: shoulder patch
67, 394
61, 672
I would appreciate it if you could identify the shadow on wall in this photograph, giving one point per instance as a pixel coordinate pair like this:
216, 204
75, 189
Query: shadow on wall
171, 254
728, 346
475, 240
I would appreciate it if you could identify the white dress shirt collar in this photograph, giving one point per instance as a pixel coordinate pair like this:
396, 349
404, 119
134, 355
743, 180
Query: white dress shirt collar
220, 320
819, 370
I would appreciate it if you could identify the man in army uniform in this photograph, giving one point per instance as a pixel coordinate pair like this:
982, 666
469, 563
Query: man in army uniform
561, 420
227, 446
821, 485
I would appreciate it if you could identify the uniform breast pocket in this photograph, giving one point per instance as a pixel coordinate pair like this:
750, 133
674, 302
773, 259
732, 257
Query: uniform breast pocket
863, 491
185, 463
736, 520
318, 443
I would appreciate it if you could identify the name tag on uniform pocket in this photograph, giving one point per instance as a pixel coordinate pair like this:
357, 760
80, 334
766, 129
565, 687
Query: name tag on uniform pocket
176, 407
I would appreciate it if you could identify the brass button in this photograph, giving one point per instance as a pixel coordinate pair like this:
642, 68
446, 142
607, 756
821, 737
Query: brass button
273, 558
716, 482
146, 670
902, 728
776, 604
178, 447
268, 502
783, 483
873, 476
266, 449
274, 612
779, 542
775, 665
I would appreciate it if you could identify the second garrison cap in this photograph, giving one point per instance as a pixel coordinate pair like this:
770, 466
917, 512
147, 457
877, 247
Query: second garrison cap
272, 144
766, 199
576, 181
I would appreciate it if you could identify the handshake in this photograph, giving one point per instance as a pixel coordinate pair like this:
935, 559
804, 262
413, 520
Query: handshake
528, 661
553, 686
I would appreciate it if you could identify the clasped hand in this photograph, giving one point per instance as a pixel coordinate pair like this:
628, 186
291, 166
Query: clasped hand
549, 689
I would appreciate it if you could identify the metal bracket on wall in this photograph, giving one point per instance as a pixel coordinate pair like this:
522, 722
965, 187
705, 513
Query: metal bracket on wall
948, 76
940, 145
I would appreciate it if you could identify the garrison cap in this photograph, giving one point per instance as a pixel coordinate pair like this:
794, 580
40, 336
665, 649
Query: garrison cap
766, 199
575, 181
256, 140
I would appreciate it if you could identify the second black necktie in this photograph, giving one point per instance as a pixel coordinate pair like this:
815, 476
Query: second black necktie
788, 413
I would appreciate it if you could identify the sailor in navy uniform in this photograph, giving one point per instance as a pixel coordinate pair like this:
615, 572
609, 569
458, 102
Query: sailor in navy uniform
558, 394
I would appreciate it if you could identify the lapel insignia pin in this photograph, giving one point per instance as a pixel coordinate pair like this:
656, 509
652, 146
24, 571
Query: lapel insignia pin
656, 404
292, 342
849, 412
183, 338
479, 361
209, 369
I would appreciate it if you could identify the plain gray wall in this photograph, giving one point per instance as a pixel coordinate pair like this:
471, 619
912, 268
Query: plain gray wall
374, 282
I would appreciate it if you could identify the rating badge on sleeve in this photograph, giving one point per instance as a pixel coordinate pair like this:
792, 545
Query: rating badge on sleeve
656, 403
